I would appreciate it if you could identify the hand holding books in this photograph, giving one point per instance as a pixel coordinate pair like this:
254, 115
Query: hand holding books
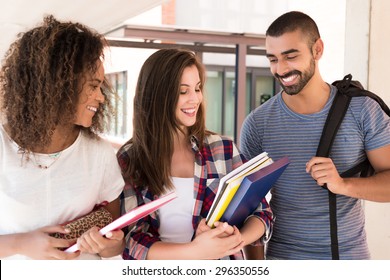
132, 216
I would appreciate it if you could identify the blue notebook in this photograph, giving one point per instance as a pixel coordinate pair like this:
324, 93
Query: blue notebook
252, 190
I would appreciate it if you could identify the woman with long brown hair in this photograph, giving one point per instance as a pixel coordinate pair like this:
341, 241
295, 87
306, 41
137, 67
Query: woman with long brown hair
172, 150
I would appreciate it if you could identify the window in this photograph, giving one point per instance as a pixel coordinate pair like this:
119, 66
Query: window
221, 98
119, 122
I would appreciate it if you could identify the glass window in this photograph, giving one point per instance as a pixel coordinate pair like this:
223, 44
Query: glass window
213, 100
264, 89
229, 105
119, 122
221, 99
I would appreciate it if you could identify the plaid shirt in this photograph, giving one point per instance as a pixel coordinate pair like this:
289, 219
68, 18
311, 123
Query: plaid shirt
218, 157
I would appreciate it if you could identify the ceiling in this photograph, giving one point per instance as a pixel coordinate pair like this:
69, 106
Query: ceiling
20, 15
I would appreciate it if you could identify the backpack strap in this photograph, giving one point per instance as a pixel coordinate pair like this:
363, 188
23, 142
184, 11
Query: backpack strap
335, 117
364, 167
334, 240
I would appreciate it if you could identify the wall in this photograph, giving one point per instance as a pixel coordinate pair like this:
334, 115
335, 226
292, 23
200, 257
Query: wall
378, 214
379, 48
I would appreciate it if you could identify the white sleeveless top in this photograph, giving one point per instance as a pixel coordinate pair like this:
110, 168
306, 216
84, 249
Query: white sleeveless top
176, 216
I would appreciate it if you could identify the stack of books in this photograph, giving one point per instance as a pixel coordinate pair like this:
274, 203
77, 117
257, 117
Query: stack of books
241, 191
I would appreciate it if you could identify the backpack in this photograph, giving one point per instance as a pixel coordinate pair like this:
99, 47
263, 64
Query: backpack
346, 89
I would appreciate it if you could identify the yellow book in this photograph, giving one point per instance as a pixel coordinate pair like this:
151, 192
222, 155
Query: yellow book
231, 185
225, 199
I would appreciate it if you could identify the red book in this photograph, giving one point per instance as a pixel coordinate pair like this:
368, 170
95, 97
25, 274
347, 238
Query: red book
132, 216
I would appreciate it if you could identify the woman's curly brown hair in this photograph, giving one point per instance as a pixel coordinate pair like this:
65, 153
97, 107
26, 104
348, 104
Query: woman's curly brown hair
41, 78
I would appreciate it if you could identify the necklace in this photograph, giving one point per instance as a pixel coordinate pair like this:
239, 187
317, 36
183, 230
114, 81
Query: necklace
40, 160
44, 161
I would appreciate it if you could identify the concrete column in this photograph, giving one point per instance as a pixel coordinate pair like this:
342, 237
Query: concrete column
378, 214
357, 28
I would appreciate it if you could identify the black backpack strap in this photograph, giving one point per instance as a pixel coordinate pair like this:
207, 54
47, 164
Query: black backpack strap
335, 117
334, 241
364, 167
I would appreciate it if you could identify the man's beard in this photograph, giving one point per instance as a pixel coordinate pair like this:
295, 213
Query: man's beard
304, 78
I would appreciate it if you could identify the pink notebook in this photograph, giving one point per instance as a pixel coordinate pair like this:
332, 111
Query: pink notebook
132, 216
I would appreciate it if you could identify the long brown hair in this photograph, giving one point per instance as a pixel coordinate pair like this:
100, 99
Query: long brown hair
41, 78
154, 121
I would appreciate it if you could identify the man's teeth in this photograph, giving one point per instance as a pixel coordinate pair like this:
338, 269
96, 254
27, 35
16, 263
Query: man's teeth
289, 78
94, 109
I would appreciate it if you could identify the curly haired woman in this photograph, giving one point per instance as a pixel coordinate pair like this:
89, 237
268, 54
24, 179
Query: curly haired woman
54, 166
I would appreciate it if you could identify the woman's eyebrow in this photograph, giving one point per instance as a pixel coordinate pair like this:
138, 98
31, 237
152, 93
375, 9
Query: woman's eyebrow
186, 85
95, 80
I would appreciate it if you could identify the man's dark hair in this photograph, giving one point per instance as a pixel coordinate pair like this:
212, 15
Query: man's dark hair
292, 21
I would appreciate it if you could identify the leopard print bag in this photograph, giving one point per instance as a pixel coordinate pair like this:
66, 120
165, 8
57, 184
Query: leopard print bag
100, 218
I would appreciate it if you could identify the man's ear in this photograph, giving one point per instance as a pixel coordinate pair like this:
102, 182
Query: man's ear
318, 49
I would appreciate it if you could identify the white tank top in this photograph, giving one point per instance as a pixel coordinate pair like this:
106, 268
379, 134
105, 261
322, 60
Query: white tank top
176, 216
